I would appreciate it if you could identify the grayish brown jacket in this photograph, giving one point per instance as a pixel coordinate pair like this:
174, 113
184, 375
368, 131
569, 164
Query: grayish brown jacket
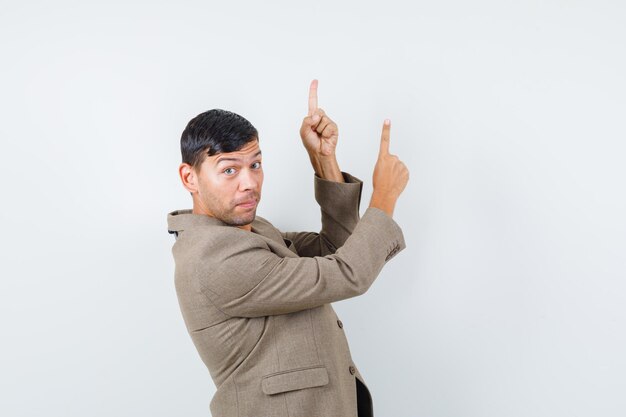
257, 304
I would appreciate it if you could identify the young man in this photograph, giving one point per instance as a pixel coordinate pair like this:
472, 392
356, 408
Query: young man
255, 300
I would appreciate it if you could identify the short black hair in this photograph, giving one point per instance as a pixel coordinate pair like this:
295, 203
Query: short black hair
212, 132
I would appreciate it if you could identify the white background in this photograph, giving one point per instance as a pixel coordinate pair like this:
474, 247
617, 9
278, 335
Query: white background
509, 298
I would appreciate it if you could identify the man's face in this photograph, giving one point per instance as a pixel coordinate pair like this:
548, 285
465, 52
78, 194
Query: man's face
228, 180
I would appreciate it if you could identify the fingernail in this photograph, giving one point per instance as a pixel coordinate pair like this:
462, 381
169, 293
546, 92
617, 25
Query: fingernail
387, 122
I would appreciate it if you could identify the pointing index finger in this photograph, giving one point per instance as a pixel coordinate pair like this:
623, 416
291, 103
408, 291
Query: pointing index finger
384, 138
313, 97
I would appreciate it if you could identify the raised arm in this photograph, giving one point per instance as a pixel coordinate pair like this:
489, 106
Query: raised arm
337, 193
246, 279
339, 206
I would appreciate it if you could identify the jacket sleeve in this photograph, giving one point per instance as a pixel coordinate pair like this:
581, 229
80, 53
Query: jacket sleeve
246, 279
339, 205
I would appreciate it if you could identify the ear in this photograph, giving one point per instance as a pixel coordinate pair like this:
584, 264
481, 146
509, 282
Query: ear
188, 177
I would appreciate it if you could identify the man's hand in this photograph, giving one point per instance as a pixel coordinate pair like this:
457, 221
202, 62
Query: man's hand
319, 135
318, 132
390, 175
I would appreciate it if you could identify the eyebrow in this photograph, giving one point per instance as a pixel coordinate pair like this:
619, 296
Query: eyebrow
235, 159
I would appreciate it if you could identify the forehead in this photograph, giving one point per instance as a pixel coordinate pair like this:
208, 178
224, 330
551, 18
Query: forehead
249, 151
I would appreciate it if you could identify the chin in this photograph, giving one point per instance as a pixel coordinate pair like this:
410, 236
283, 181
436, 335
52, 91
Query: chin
242, 221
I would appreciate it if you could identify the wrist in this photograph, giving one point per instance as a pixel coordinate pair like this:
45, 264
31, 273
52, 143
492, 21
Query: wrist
383, 202
326, 167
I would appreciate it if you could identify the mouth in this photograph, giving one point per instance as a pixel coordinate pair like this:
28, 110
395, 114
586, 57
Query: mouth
247, 204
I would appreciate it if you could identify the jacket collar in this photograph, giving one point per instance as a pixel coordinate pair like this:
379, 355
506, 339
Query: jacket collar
179, 220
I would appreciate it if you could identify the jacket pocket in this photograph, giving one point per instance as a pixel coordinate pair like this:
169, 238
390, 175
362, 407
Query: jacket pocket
294, 379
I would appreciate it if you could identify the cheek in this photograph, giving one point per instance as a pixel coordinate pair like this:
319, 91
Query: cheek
226, 192
218, 190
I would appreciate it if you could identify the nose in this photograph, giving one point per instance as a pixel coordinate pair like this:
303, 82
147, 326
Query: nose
248, 180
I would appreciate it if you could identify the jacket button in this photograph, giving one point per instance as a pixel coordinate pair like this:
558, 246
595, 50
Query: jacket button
352, 369
340, 324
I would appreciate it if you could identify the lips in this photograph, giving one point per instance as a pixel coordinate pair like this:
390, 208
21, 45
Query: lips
247, 204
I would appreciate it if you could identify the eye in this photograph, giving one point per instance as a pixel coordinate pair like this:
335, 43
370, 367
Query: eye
232, 169
259, 164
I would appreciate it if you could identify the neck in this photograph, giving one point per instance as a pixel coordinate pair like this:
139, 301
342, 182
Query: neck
198, 209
